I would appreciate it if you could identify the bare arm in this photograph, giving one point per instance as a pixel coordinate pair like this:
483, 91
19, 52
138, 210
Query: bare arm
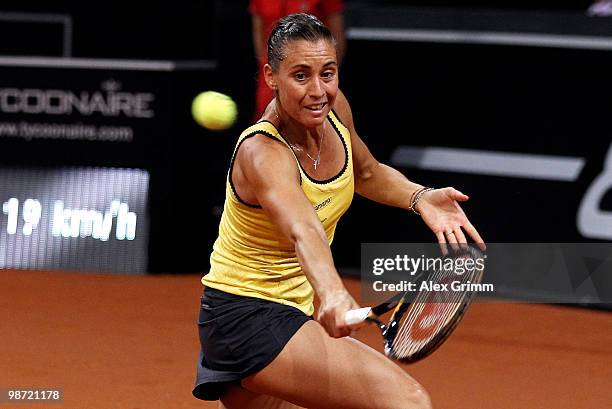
374, 180
439, 208
271, 175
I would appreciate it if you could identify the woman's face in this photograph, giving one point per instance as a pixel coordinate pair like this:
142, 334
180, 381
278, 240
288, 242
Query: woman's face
307, 81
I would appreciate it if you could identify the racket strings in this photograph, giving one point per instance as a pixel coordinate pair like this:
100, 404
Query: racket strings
406, 344
433, 311
430, 312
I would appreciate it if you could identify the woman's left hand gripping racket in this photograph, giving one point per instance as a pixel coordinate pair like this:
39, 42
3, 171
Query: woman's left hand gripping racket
418, 328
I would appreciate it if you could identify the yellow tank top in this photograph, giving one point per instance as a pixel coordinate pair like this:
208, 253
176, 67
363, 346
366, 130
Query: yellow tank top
251, 257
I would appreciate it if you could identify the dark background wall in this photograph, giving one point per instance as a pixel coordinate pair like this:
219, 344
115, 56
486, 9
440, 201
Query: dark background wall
499, 98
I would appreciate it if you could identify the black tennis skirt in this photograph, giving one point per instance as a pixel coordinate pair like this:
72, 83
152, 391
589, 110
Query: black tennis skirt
238, 337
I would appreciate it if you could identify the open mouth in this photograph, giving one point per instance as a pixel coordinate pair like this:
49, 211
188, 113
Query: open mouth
316, 107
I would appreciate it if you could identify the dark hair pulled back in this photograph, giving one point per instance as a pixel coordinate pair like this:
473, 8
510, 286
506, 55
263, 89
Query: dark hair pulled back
299, 26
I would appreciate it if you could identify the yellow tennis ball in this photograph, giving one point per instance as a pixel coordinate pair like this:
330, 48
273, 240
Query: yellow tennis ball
214, 110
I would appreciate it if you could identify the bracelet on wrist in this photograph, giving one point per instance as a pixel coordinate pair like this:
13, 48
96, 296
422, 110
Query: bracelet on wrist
416, 196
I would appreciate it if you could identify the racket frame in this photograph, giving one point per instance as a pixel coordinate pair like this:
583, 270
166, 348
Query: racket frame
398, 301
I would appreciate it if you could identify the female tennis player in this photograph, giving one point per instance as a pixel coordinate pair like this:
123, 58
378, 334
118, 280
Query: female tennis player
292, 176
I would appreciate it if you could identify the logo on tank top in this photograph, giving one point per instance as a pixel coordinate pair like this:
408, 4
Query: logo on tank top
323, 204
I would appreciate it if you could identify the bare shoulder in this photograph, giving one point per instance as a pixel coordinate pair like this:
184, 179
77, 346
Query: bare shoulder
262, 155
342, 108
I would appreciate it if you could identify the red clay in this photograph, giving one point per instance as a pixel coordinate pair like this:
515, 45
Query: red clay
130, 342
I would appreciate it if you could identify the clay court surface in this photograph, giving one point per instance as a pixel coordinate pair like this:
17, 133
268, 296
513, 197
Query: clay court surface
130, 342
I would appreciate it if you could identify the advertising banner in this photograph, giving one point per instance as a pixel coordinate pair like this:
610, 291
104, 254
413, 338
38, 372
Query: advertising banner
83, 219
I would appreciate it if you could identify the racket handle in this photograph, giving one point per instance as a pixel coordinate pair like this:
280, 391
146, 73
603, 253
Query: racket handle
357, 316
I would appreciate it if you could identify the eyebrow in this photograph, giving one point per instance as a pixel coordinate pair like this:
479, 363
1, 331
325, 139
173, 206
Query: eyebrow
308, 66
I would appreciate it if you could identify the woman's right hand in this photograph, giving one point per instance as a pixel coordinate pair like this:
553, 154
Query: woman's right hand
334, 306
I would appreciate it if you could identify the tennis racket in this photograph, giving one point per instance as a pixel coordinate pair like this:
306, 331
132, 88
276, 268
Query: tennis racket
418, 328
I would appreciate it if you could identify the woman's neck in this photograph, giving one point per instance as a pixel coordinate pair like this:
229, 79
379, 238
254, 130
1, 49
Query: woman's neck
296, 133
